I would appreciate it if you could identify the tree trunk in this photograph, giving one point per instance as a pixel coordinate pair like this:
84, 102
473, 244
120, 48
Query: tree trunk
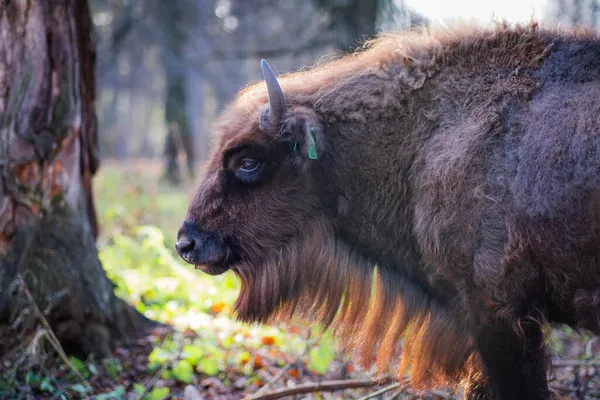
353, 20
48, 156
179, 136
179, 140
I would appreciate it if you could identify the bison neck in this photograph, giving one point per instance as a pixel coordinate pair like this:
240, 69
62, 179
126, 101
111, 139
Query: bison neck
373, 189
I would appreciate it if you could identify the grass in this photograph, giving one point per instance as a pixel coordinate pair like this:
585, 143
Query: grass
129, 194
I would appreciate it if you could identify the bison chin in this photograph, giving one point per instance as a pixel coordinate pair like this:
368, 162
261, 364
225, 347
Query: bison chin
212, 269
375, 311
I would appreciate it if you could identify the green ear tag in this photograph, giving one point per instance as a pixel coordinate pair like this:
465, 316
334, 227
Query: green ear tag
312, 146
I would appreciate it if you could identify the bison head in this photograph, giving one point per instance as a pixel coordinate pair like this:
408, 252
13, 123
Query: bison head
260, 209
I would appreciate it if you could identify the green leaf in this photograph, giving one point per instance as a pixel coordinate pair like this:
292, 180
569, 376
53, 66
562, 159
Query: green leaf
209, 366
32, 378
92, 368
167, 374
183, 371
159, 356
112, 367
242, 358
320, 358
215, 352
46, 385
298, 345
79, 366
248, 369
227, 343
139, 389
159, 393
116, 394
193, 353
79, 388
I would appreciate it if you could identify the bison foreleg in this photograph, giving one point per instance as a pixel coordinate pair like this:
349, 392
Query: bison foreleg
514, 360
477, 387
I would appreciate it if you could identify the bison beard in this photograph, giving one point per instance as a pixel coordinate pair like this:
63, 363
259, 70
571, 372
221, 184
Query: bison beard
319, 278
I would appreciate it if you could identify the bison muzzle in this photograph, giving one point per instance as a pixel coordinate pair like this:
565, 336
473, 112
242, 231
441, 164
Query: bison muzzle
434, 197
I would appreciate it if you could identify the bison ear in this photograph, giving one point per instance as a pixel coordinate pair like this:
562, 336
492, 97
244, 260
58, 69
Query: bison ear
303, 135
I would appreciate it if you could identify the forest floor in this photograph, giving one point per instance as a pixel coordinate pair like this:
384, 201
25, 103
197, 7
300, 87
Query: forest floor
202, 345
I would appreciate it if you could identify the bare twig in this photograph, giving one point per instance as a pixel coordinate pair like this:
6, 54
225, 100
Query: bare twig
148, 385
274, 379
327, 386
441, 394
394, 395
153, 380
48, 330
296, 363
382, 391
402, 386
56, 345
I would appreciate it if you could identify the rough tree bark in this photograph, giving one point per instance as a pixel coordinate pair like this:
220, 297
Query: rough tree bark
48, 156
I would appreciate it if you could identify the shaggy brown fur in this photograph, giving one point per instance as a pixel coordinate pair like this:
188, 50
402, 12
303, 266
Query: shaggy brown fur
453, 210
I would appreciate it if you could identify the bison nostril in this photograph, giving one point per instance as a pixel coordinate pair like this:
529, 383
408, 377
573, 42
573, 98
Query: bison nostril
198, 247
185, 245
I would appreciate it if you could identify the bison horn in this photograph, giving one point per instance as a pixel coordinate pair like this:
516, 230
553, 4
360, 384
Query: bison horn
277, 105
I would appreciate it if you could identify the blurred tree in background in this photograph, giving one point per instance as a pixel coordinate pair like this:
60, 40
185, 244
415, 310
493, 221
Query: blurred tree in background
167, 68
574, 12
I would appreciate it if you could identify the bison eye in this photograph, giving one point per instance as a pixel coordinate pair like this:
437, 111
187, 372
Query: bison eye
248, 164
249, 170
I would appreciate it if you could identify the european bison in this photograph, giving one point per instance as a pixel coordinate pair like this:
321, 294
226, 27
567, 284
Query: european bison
438, 191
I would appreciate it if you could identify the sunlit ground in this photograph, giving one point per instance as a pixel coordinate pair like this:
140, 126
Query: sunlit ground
209, 349
139, 219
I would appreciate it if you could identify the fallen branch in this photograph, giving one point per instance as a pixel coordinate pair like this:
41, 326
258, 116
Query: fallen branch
288, 366
274, 379
331, 386
327, 386
442, 394
394, 395
381, 391
402, 388
49, 333
149, 384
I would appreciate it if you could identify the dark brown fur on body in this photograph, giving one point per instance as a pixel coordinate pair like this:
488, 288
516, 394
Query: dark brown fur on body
452, 213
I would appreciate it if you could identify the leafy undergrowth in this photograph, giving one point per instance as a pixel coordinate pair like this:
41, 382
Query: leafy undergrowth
212, 350
209, 347
202, 344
